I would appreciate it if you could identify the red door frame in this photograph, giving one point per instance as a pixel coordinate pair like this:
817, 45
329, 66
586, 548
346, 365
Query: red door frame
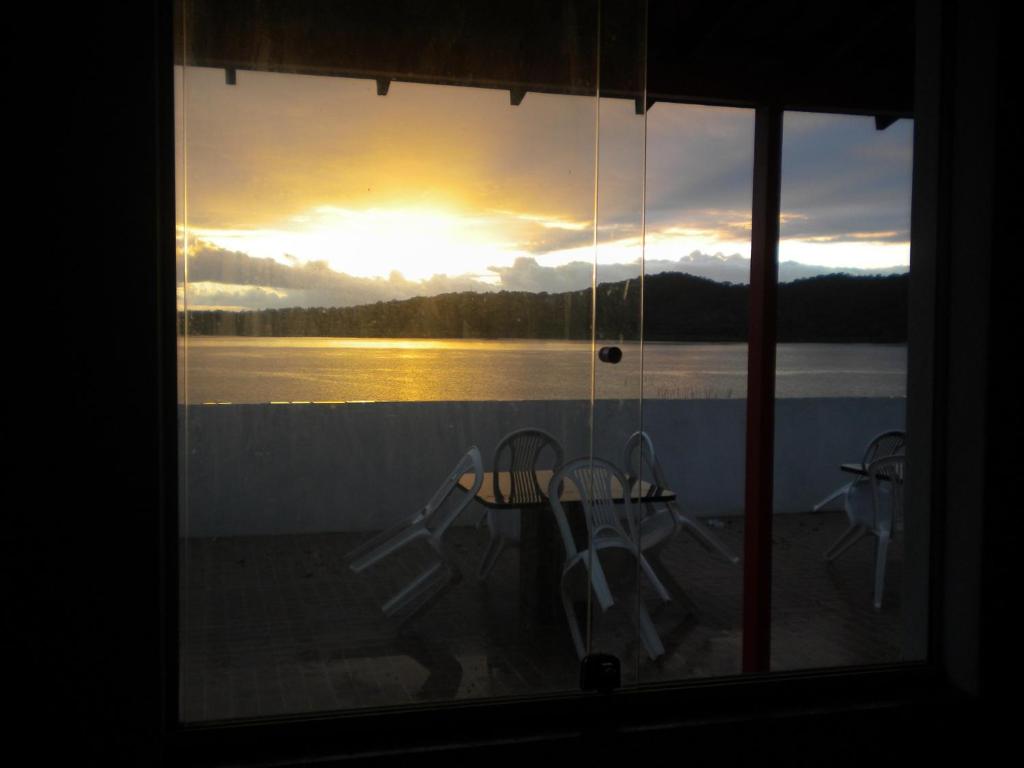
764, 253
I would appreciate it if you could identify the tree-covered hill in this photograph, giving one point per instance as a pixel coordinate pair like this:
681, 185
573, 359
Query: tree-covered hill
677, 307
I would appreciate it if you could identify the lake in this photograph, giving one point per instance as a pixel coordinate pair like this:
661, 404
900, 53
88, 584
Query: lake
314, 369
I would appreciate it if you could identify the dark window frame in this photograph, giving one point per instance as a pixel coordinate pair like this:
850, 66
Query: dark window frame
724, 701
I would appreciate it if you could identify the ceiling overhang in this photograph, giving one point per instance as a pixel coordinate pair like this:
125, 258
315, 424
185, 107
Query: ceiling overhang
844, 56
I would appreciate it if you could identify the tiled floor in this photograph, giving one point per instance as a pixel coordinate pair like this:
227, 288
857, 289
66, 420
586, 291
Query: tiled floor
278, 624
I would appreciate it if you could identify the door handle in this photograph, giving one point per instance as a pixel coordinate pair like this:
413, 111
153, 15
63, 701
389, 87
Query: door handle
609, 355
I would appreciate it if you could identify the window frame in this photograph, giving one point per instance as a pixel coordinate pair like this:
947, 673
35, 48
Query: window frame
565, 718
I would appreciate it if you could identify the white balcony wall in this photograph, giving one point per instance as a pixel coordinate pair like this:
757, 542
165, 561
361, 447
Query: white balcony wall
275, 469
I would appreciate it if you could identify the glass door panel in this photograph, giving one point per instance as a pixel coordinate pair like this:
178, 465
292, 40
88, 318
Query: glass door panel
386, 260
696, 277
616, 610
847, 586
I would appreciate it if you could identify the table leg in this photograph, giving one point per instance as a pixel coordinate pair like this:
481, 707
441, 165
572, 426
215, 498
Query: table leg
540, 559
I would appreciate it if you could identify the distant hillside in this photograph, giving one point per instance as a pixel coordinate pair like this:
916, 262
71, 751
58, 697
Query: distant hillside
679, 307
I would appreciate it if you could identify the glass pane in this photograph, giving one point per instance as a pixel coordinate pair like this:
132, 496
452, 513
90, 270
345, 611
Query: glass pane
696, 275
839, 571
386, 258
617, 609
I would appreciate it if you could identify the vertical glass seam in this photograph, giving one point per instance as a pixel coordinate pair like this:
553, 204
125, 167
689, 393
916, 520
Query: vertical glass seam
593, 306
640, 329
183, 403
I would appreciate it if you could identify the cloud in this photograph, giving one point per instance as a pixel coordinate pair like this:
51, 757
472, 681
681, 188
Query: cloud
540, 234
202, 295
333, 141
527, 275
265, 153
699, 161
845, 181
275, 146
219, 277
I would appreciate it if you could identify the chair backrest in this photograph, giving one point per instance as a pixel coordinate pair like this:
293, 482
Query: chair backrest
519, 453
604, 494
437, 517
641, 462
886, 444
886, 477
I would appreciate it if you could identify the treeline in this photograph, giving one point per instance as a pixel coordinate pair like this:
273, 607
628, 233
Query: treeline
678, 307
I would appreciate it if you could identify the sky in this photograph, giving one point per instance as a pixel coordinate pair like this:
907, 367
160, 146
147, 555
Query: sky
298, 190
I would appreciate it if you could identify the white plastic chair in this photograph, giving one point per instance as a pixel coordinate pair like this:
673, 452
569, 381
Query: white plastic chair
884, 444
874, 505
519, 454
604, 511
662, 519
429, 523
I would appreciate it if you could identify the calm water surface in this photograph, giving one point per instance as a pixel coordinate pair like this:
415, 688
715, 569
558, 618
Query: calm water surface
260, 370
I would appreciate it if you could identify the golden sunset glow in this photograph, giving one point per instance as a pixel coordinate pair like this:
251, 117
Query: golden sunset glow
418, 243
305, 190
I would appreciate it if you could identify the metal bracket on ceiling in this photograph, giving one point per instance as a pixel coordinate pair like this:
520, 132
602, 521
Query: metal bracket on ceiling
640, 106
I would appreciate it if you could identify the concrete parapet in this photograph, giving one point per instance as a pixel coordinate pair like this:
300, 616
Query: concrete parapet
302, 468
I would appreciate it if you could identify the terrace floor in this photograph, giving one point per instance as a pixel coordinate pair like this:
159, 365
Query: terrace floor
278, 624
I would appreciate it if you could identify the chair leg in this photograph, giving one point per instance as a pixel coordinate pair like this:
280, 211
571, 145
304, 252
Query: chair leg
830, 498
648, 632
655, 581
708, 539
880, 556
850, 537
411, 590
599, 581
574, 626
494, 548
381, 546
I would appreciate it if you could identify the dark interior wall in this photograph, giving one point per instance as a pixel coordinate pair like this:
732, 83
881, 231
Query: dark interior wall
1000, 675
82, 548
977, 404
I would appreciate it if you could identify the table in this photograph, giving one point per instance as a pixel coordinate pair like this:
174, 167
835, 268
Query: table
854, 468
861, 470
541, 551
571, 495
